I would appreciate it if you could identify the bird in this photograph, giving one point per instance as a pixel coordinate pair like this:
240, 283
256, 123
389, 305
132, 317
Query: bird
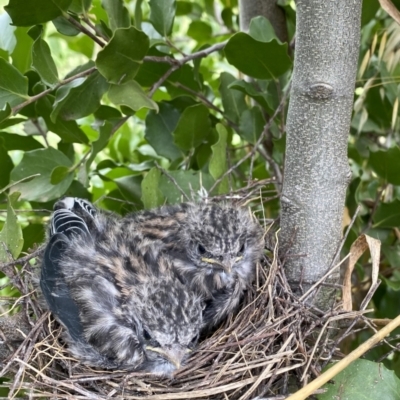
122, 308
215, 248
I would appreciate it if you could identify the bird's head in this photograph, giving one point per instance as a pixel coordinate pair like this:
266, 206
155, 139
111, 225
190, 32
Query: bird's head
222, 242
169, 322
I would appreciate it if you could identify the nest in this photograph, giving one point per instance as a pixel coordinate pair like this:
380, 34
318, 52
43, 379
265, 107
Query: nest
266, 349
276, 343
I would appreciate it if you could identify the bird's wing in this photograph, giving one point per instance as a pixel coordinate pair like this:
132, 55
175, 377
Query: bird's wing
67, 222
55, 289
64, 225
80, 207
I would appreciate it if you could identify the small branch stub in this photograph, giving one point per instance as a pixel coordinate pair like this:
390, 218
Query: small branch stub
320, 91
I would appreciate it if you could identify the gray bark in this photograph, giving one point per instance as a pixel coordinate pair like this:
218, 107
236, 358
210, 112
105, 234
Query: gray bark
249, 9
316, 173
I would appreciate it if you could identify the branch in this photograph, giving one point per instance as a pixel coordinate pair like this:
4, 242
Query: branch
81, 28
172, 179
98, 33
176, 64
32, 99
22, 260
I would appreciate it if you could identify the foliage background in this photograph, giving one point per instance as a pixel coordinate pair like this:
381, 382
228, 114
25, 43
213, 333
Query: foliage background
134, 110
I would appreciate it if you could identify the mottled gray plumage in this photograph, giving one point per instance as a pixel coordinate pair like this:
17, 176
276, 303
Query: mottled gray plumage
121, 307
215, 248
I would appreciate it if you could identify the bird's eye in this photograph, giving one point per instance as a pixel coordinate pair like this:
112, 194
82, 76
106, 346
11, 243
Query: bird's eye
201, 249
146, 335
241, 250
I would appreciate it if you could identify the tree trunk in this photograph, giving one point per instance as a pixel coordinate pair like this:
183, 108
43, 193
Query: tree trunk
316, 173
268, 9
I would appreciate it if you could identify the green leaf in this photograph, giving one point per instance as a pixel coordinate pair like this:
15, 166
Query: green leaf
59, 174
42, 61
386, 163
150, 72
106, 130
34, 12
79, 99
387, 215
6, 165
262, 98
13, 141
218, 164
13, 85
80, 6
251, 124
84, 45
369, 9
233, 101
185, 76
11, 122
5, 112
11, 239
43, 162
257, 59
393, 284
138, 14
193, 127
162, 14
159, 128
118, 15
151, 194
33, 234
227, 16
130, 188
65, 27
131, 95
191, 182
365, 380
22, 54
121, 59
262, 30
183, 8
200, 31
68, 131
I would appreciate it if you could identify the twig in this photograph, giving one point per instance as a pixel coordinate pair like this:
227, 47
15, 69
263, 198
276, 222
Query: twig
179, 63
80, 27
172, 179
255, 147
309, 291
98, 33
16, 183
32, 99
341, 365
22, 260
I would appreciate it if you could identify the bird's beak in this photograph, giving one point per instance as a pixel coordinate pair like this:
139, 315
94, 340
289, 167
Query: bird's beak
174, 355
226, 265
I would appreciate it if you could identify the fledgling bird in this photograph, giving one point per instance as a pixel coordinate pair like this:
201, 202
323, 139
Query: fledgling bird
215, 248
121, 307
